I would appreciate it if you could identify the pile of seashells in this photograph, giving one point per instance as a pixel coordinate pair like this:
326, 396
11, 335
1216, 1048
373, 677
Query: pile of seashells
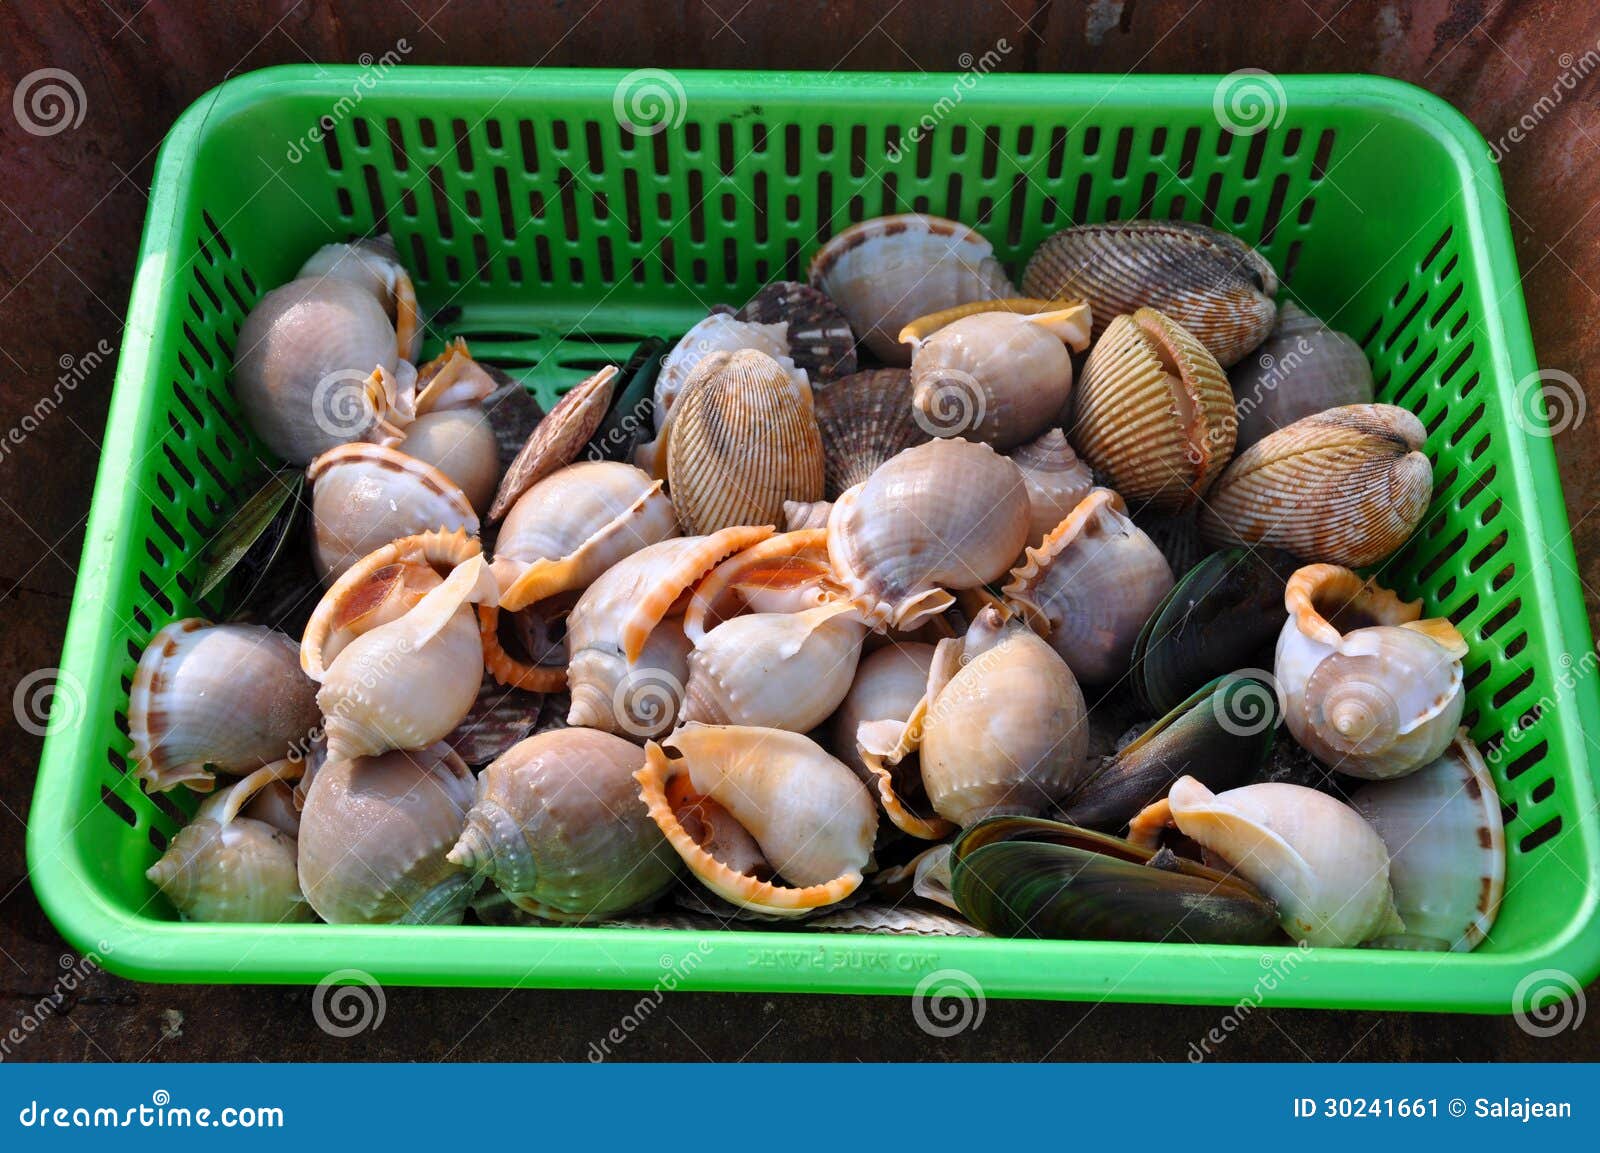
759, 630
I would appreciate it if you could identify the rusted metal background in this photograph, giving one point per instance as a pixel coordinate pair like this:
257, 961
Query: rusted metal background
71, 205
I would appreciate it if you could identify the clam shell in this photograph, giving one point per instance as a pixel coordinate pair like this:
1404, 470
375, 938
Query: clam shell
719, 332
1056, 480
1303, 368
1447, 849
886, 272
513, 415
1215, 285
557, 439
1154, 412
865, 419
1090, 587
365, 495
1347, 486
743, 441
817, 333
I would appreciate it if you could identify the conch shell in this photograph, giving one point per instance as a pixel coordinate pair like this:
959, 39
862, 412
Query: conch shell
374, 836
1369, 688
225, 697
558, 826
1154, 412
1347, 486
886, 272
1311, 853
1002, 727
1090, 587
1056, 479
365, 495
949, 514
812, 820
394, 644
888, 686
743, 440
998, 377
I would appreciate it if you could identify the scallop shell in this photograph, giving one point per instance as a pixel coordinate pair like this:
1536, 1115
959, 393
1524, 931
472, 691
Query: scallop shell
498, 719
1447, 848
1090, 587
817, 334
1347, 486
865, 419
1154, 412
374, 836
206, 697
812, 819
1056, 480
886, 272
1369, 688
557, 825
741, 443
1214, 285
557, 439
949, 514
999, 377
365, 495
1304, 367
1325, 867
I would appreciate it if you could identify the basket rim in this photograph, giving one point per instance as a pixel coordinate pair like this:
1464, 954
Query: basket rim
150, 949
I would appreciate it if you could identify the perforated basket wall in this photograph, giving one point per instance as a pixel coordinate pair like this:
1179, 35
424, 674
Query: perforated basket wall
554, 238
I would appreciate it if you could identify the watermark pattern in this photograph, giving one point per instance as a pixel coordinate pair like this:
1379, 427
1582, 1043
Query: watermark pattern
1547, 1002
343, 405
48, 701
1278, 967
1249, 101
649, 101
674, 970
955, 403
646, 701
1247, 702
74, 371
1275, 371
347, 1002
973, 69
48, 101
160, 1113
948, 1002
75, 971
1574, 70
1549, 402
375, 68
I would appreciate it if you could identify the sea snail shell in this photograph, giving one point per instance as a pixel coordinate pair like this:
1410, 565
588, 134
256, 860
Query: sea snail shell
373, 264
1369, 688
812, 820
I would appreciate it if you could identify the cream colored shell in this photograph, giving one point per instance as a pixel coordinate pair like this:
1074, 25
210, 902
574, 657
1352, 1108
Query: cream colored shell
1056, 479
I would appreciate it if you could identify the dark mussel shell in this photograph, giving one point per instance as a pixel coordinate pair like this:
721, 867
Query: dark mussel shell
253, 538
1221, 735
1224, 614
513, 413
1029, 877
820, 338
631, 417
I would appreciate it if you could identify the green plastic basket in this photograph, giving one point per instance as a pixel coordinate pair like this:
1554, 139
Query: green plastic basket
554, 238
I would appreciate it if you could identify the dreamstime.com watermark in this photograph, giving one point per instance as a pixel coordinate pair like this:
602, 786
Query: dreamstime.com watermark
973, 69
1249, 101
948, 1002
374, 70
347, 1002
1277, 969
63, 992
674, 971
1547, 1002
1549, 402
48, 701
1573, 672
74, 371
158, 1113
1574, 70
49, 100
649, 101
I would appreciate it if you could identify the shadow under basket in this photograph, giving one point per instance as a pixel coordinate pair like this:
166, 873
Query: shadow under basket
554, 238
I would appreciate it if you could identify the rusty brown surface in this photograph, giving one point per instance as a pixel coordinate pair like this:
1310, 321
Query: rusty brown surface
70, 212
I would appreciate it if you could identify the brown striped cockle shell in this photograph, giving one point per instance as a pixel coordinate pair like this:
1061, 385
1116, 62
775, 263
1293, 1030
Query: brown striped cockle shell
1154, 412
886, 272
743, 440
558, 827
816, 331
1002, 727
949, 514
225, 698
1347, 486
865, 419
557, 439
718, 332
1090, 587
1056, 479
365, 495
1215, 285
811, 819
1302, 368
375, 834
628, 658
999, 377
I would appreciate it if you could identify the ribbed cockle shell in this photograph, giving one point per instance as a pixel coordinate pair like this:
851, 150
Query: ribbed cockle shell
865, 419
1347, 486
558, 827
1154, 412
